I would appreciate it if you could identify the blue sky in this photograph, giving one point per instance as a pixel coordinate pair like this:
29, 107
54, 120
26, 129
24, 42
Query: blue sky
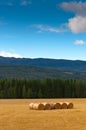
43, 29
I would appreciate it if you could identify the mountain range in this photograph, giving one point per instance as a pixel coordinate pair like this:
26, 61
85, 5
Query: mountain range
42, 68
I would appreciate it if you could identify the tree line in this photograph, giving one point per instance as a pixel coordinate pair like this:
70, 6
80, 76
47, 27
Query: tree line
46, 88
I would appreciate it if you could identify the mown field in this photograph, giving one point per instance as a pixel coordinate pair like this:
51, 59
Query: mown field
16, 115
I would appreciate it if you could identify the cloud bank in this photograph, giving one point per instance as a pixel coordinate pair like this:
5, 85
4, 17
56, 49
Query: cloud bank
79, 42
78, 8
10, 54
46, 28
76, 24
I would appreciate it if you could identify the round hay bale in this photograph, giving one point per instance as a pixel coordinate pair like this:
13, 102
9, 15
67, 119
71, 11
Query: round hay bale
57, 105
38, 106
69, 105
52, 105
46, 106
34, 106
31, 105
63, 105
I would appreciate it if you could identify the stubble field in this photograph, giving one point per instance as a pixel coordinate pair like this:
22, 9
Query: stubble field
16, 115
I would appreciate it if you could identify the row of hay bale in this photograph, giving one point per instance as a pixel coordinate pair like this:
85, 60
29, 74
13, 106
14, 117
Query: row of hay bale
50, 106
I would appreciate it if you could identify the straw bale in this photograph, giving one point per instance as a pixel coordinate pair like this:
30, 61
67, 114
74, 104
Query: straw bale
69, 105
38, 106
63, 105
57, 105
46, 106
52, 105
31, 105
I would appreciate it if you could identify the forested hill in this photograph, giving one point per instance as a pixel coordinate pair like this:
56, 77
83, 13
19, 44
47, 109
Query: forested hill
70, 65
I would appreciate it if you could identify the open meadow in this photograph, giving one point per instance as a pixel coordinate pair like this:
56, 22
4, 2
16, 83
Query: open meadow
16, 115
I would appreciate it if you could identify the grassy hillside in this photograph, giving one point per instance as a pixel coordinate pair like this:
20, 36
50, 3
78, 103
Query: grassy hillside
42, 68
17, 71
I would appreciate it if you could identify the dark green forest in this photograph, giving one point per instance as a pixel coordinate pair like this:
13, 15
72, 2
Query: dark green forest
42, 78
46, 88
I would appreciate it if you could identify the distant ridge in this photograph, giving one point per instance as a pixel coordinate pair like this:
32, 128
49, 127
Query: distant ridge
70, 65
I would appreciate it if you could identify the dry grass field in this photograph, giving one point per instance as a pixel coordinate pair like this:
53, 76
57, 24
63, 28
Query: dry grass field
16, 115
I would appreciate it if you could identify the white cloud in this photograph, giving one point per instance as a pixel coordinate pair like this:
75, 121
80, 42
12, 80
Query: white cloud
25, 3
79, 42
77, 24
78, 8
9, 54
46, 28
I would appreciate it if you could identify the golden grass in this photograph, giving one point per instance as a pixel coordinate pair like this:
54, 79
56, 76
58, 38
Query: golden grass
16, 115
